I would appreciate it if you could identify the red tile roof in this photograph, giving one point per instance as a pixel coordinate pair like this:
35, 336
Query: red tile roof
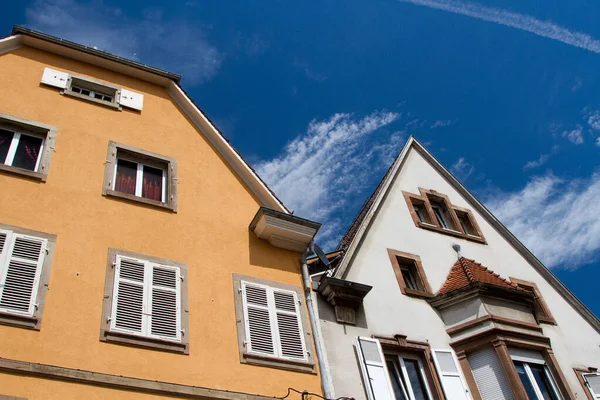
466, 272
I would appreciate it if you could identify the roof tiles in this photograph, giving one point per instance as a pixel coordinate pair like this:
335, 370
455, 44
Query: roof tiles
466, 272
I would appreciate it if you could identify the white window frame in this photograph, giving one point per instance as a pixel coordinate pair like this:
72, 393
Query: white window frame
408, 390
526, 361
12, 150
5, 258
274, 327
139, 178
589, 387
147, 301
92, 93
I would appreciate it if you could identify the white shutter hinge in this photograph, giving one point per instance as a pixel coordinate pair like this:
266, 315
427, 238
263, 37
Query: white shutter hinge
47, 250
109, 319
182, 278
245, 343
114, 264
240, 290
183, 331
37, 305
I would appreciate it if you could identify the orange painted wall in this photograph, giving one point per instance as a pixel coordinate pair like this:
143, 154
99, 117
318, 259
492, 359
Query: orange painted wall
210, 233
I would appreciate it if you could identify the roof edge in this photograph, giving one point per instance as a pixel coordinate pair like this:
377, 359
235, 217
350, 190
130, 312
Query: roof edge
21, 30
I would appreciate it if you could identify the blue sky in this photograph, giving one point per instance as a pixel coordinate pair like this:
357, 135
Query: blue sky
320, 97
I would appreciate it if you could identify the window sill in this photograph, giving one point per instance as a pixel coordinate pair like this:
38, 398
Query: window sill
267, 361
116, 106
451, 232
139, 341
40, 176
21, 321
141, 200
417, 293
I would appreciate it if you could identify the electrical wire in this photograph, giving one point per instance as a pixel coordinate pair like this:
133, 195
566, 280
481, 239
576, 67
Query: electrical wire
307, 393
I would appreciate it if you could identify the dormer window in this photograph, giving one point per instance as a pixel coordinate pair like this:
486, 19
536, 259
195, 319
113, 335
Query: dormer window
434, 211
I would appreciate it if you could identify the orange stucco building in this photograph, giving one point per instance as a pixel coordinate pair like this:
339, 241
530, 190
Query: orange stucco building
134, 261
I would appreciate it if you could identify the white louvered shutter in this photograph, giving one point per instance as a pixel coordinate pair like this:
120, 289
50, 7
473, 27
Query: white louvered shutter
23, 257
131, 99
489, 375
259, 332
374, 370
55, 78
451, 376
5, 237
593, 383
289, 326
128, 296
165, 293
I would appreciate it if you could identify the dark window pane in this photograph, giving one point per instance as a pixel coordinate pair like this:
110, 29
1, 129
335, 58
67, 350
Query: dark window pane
28, 151
409, 279
543, 383
126, 176
525, 380
5, 140
416, 379
152, 184
75, 89
397, 382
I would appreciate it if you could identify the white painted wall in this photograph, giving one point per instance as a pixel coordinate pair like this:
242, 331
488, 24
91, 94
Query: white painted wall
388, 312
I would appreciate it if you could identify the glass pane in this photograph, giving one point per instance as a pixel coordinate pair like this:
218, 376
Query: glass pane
397, 383
409, 279
525, 379
416, 379
152, 184
126, 176
5, 140
440, 217
28, 151
543, 382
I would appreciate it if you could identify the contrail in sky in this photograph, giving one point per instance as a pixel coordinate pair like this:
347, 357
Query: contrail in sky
514, 20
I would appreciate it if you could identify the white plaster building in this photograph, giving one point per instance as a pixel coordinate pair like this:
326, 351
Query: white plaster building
406, 316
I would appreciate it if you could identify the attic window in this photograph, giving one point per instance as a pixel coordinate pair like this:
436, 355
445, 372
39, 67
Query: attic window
90, 90
540, 308
433, 211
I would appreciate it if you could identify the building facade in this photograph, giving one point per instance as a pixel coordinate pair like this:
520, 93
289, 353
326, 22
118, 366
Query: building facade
432, 298
140, 256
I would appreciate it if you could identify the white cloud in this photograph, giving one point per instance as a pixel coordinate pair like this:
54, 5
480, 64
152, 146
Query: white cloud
321, 170
598, 141
574, 135
593, 118
514, 20
174, 45
462, 169
543, 158
441, 123
558, 220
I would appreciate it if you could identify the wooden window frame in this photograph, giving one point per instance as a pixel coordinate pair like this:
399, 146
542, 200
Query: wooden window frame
33, 321
28, 127
579, 372
416, 260
542, 311
422, 351
146, 158
247, 357
424, 197
500, 341
110, 336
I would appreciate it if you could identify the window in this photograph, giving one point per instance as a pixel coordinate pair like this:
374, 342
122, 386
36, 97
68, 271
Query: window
433, 211
272, 324
540, 308
410, 274
536, 380
465, 222
25, 260
591, 382
141, 176
92, 90
407, 377
145, 302
25, 146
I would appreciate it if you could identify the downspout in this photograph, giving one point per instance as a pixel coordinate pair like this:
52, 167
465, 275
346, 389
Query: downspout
326, 381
